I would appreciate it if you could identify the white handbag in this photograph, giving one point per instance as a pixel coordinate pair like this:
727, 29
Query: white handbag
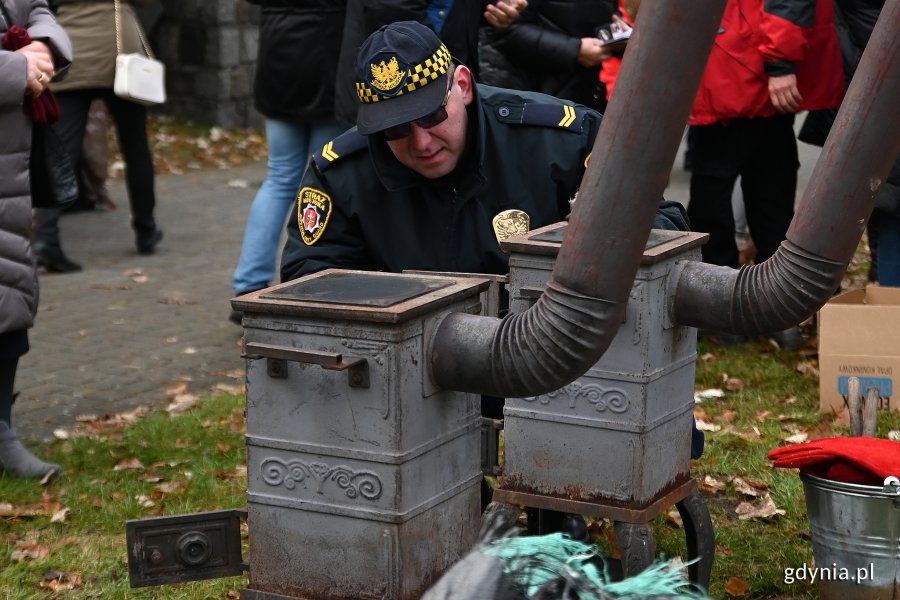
139, 78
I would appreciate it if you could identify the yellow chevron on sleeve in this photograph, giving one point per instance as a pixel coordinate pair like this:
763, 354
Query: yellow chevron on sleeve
569, 117
328, 152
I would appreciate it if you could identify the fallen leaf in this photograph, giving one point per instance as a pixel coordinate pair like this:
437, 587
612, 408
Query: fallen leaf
182, 403
711, 485
704, 426
61, 582
140, 279
733, 384
744, 487
228, 388
763, 416
728, 416
722, 550
701, 414
894, 436
60, 516
189, 350
170, 340
751, 436
222, 447
235, 373
129, 464
807, 368
175, 390
737, 586
29, 510
708, 357
145, 501
673, 517
709, 394
238, 183
764, 509
26, 550
172, 487
797, 438
61, 434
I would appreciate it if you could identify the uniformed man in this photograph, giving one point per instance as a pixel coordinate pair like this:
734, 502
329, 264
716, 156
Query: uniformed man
433, 160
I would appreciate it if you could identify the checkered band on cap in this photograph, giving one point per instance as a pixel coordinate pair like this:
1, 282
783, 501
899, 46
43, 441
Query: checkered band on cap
418, 77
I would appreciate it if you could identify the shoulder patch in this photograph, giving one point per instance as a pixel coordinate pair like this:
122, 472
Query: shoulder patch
313, 212
343, 145
564, 116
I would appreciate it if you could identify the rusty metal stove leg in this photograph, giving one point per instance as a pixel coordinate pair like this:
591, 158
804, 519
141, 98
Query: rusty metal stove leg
636, 545
701, 538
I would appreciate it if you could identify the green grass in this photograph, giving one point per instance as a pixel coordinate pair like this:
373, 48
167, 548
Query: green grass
758, 550
201, 450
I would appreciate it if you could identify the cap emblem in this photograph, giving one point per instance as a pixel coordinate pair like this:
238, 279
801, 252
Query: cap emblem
386, 77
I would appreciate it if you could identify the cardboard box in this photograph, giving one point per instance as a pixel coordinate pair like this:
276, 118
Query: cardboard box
859, 335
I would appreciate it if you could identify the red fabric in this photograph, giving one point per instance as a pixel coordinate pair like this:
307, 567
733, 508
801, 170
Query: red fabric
864, 460
44, 108
735, 84
610, 70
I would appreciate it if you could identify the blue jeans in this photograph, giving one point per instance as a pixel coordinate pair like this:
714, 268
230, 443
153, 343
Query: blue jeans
290, 145
888, 250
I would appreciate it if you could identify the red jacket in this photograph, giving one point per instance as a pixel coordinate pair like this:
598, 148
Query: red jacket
756, 41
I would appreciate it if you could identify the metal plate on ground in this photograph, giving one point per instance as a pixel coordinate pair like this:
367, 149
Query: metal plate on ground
358, 290
163, 550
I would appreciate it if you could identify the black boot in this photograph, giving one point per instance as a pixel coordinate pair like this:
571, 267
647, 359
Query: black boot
54, 259
146, 241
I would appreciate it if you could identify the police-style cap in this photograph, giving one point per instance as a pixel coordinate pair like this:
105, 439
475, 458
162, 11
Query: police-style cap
401, 74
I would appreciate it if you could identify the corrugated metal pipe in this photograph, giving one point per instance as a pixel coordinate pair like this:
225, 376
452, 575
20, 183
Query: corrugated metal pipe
830, 219
574, 321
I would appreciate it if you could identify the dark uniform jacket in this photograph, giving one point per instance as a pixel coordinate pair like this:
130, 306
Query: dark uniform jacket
359, 208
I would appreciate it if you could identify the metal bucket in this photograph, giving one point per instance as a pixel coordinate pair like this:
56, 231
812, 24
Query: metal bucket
856, 539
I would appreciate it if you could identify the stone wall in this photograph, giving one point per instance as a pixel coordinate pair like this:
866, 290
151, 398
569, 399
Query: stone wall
209, 48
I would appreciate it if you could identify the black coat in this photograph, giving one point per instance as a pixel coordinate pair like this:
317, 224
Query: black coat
541, 48
459, 34
376, 214
855, 20
299, 42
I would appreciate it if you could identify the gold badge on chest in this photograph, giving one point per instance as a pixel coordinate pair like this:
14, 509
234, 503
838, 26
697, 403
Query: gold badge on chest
509, 223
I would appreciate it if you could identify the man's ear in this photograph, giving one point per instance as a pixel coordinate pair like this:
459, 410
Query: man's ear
465, 81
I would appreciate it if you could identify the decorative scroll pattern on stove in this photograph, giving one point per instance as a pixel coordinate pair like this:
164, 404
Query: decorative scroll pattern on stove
290, 474
612, 399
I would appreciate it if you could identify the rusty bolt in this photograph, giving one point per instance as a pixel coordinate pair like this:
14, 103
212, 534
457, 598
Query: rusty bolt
156, 556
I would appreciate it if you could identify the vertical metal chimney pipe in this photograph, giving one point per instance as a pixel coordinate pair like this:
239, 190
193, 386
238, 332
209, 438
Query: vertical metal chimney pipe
575, 320
831, 217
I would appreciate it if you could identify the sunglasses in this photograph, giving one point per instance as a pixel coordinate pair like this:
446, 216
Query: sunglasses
398, 132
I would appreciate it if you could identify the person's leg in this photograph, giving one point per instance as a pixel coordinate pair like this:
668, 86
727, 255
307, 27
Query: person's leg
289, 147
715, 159
130, 119
769, 182
73, 109
14, 457
888, 249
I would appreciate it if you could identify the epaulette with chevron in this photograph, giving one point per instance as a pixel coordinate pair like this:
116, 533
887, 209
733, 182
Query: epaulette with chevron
564, 116
344, 145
